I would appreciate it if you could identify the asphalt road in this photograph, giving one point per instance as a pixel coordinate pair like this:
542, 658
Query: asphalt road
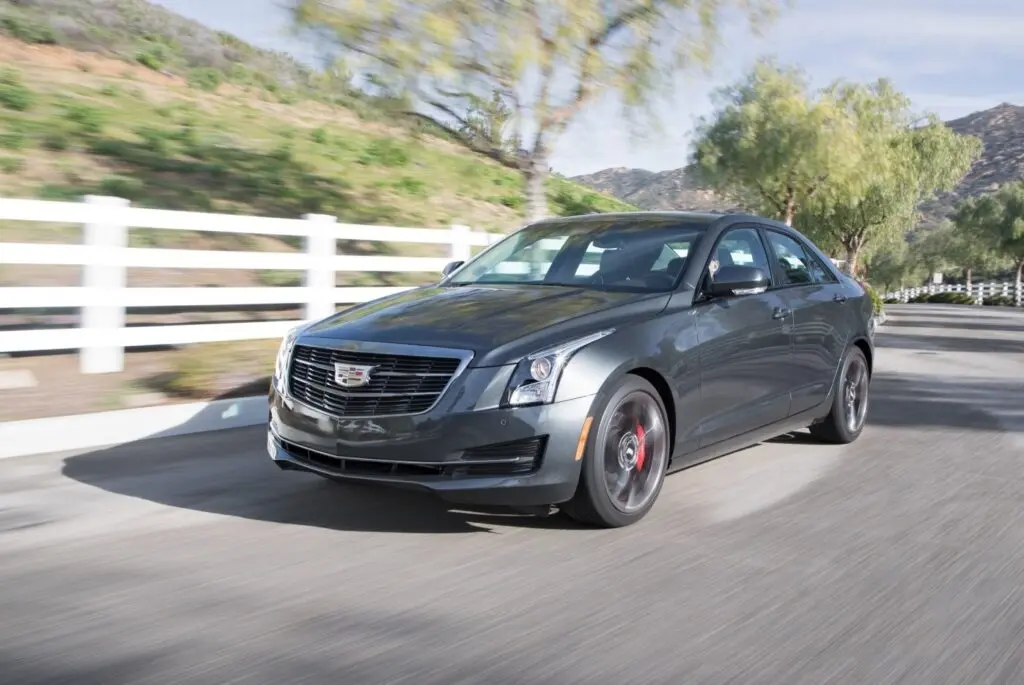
899, 559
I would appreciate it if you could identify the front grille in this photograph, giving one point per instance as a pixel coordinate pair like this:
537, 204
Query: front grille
399, 384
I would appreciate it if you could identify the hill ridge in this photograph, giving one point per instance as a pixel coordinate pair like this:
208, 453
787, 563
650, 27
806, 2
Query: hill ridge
1000, 128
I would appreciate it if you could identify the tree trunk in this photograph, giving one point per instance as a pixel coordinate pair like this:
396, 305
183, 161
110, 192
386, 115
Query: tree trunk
852, 255
787, 216
968, 272
536, 192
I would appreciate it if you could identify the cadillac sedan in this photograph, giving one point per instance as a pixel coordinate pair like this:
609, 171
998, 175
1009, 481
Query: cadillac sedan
577, 362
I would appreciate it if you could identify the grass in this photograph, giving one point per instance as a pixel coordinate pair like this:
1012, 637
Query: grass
215, 153
217, 370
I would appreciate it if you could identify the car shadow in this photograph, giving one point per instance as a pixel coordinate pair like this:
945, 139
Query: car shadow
966, 322
907, 341
794, 438
225, 470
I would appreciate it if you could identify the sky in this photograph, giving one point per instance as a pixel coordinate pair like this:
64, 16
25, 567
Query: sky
952, 57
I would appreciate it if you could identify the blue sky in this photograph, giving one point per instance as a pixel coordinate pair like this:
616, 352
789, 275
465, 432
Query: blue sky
952, 57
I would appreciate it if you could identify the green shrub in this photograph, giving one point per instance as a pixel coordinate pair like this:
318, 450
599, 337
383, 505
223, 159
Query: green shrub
385, 152
88, 120
121, 186
999, 301
877, 305
13, 140
411, 186
279, 279
512, 201
155, 139
205, 79
319, 135
28, 31
154, 57
14, 95
55, 141
11, 165
946, 298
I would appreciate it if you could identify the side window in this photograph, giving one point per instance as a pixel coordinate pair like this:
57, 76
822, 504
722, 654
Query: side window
740, 247
819, 272
793, 260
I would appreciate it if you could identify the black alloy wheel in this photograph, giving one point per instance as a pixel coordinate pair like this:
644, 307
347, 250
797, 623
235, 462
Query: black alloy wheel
845, 422
625, 460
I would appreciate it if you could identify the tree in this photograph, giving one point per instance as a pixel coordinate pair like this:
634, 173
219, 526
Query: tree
972, 253
487, 123
545, 59
934, 250
904, 160
997, 222
893, 269
771, 145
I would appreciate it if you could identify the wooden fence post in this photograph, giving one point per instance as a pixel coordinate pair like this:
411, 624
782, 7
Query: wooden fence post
322, 247
103, 276
462, 248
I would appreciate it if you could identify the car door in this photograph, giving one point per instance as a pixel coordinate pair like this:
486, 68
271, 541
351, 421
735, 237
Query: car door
744, 346
814, 294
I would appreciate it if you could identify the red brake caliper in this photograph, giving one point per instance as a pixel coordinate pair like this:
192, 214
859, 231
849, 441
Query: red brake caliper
641, 450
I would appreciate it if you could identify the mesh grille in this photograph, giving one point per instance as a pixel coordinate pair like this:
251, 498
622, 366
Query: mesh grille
398, 384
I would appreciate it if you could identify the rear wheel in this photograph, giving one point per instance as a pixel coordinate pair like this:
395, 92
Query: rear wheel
625, 460
845, 422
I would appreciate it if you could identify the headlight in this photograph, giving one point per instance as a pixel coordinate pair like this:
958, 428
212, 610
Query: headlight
284, 354
535, 379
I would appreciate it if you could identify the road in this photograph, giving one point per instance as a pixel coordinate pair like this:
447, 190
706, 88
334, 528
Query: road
898, 559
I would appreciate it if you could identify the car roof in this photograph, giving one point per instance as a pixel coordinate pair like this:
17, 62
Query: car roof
711, 216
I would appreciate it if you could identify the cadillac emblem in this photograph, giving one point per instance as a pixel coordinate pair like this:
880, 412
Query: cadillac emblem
352, 375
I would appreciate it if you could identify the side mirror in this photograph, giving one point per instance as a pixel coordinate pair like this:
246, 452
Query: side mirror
450, 267
730, 279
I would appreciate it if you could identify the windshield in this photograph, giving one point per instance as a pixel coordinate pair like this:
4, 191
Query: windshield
647, 255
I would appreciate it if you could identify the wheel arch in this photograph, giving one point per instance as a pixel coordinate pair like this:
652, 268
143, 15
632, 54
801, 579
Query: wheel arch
869, 354
664, 393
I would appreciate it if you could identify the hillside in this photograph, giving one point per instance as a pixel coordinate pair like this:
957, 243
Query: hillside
1001, 130
124, 97
84, 110
652, 190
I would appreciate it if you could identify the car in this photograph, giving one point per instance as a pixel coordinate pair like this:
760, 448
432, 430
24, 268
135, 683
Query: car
575, 363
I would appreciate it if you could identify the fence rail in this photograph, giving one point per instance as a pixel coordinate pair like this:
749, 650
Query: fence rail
978, 291
104, 256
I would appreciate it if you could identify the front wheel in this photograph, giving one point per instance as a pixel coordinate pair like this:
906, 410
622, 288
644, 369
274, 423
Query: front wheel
625, 459
845, 422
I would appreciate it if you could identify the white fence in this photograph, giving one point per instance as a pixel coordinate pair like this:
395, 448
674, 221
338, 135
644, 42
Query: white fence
104, 256
978, 291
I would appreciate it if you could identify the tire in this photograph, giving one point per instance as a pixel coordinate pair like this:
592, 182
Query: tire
854, 381
633, 416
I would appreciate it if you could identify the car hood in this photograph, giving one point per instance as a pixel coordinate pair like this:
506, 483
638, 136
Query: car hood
488, 320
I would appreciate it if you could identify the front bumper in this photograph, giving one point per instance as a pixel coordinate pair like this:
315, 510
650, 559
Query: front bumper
460, 451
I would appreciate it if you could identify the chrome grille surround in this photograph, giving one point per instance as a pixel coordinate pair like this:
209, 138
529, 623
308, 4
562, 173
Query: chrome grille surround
408, 379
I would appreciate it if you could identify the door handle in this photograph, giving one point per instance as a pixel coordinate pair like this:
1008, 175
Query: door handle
839, 297
781, 312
